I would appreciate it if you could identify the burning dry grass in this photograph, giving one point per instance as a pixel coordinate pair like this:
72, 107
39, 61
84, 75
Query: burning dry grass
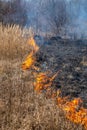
74, 110
44, 82
20, 107
30, 60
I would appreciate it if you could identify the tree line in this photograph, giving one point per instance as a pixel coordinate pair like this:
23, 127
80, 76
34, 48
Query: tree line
42, 14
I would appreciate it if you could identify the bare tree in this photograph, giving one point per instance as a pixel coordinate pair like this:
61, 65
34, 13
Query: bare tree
13, 12
56, 14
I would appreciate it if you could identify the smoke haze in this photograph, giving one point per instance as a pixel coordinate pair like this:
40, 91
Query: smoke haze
68, 17
40, 15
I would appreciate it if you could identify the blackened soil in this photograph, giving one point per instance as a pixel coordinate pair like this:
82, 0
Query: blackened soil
70, 58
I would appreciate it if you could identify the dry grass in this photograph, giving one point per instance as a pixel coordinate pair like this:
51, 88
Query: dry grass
12, 42
20, 107
84, 61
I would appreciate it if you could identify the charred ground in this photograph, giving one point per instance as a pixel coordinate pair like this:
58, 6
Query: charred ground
68, 57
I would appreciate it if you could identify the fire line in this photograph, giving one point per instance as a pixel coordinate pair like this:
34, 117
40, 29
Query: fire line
73, 109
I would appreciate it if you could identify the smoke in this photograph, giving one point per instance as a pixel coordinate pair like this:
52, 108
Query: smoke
41, 13
78, 17
51, 15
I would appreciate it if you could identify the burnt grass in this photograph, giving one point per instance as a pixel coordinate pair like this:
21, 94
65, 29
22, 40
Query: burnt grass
69, 57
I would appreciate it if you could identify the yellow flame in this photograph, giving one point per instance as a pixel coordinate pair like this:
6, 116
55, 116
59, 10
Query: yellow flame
30, 60
33, 44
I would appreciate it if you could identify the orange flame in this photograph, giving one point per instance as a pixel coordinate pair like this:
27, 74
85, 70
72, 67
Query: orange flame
74, 110
33, 44
43, 81
30, 60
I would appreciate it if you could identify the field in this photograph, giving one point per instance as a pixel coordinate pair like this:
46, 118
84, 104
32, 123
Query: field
21, 108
